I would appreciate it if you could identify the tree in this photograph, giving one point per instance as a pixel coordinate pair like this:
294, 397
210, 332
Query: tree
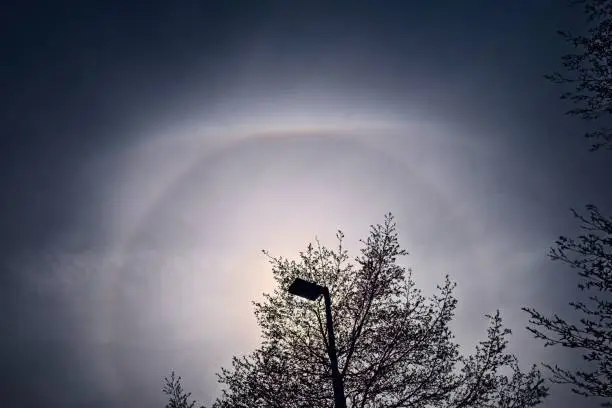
178, 398
591, 252
591, 255
589, 71
395, 346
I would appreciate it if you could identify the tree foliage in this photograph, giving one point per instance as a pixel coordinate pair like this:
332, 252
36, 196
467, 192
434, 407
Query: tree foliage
591, 255
395, 345
178, 398
588, 71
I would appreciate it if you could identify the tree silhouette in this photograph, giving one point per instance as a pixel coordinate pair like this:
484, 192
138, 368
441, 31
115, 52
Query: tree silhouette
591, 252
591, 255
589, 70
395, 346
178, 398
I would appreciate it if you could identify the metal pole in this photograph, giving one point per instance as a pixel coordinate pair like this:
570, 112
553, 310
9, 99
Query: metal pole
339, 398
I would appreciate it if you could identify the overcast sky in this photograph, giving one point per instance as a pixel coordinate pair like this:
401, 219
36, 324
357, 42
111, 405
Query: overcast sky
149, 152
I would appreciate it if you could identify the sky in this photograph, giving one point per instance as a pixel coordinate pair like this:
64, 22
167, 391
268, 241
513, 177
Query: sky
149, 152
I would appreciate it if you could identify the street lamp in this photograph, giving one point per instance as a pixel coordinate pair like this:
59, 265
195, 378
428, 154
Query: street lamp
312, 291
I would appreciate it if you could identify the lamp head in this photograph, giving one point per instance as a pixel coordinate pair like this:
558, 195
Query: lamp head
305, 289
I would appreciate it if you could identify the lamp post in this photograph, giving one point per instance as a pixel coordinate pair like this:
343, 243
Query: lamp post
312, 291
